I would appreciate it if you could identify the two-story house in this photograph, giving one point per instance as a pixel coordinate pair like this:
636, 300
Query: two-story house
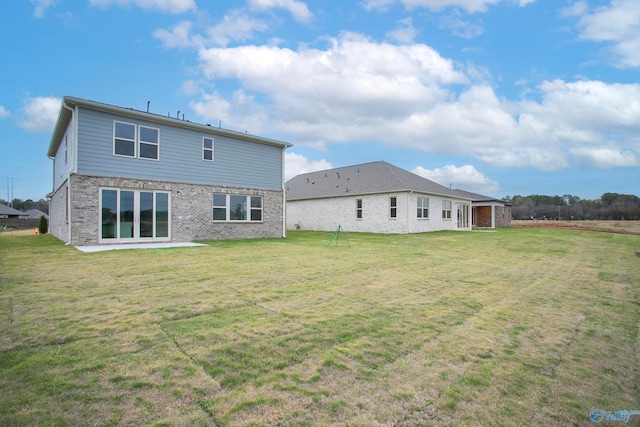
122, 175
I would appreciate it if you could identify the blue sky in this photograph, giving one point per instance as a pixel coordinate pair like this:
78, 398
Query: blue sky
500, 97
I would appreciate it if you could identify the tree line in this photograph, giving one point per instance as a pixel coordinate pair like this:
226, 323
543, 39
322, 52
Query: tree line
25, 205
610, 206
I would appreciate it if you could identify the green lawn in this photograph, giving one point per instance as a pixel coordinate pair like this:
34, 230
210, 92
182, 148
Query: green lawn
513, 327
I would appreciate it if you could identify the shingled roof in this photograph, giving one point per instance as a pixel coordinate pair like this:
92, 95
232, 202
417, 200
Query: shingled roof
476, 197
366, 178
9, 211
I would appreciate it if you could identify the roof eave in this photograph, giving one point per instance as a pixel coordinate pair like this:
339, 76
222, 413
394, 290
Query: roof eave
65, 115
295, 199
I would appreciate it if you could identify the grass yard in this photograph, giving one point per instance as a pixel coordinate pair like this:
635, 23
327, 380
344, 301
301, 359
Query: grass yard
521, 326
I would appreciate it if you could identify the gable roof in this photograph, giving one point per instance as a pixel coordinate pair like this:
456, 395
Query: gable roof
35, 213
366, 178
69, 103
7, 210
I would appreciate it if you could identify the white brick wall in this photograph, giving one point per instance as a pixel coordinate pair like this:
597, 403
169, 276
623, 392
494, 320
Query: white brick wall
327, 214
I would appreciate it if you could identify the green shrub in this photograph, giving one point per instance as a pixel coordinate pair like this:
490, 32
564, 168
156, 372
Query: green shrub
43, 225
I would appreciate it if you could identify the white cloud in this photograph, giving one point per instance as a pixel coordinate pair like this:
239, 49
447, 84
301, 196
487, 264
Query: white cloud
297, 9
235, 26
606, 157
355, 90
4, 112
405, 33
588, 107
40, 113
165, 6
241, 112
579, 8
352, 73
466, 177
460, 27
41, 6
295, 164
471, 6
179, 36
617, 24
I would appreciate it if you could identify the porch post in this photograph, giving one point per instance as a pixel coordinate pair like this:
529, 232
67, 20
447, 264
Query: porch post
493, 216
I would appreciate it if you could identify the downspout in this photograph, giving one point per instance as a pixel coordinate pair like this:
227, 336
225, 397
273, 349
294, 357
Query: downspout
409, 211
284, 200
73, 157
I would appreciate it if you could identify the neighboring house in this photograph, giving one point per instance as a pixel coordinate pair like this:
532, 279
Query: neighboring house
122, 175
9, 212
374, 197
488, 212
35, 214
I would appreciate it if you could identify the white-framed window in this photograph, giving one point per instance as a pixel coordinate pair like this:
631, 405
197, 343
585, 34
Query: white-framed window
124, 139
358, 208
128, 215
131, 140
423, 207
233, 207
207, 149
446, 209
149, 142
393, 207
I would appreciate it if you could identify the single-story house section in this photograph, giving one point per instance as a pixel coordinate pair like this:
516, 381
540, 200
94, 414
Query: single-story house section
9, 212
122, 175
374, 197
488, 212
36, 214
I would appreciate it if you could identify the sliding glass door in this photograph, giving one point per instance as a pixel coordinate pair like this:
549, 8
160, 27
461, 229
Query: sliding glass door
463, 215
134, 215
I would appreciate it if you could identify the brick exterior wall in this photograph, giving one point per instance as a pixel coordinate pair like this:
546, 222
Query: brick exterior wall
58, 224
326, 214
503, 216
191, 210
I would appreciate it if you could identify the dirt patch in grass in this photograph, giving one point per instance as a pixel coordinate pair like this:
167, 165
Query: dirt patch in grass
621, 227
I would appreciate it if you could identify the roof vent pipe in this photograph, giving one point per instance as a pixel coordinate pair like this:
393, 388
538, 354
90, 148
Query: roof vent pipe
148, 104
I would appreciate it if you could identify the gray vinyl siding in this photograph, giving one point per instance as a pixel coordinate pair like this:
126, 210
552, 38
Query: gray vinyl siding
62, 169
236, 162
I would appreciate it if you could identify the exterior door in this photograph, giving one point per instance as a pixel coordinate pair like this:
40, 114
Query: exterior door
133, 215
463, 216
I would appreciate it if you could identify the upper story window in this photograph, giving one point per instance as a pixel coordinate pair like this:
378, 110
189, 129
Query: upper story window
358, 208
207, 149
446, 209
393, 204
124, 139
423, 207
125, 143
149, 140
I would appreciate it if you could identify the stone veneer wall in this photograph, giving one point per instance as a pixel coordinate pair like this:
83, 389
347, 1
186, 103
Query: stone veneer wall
191, 210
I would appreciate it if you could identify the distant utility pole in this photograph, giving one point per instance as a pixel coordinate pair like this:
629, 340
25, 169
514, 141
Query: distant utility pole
10, 191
